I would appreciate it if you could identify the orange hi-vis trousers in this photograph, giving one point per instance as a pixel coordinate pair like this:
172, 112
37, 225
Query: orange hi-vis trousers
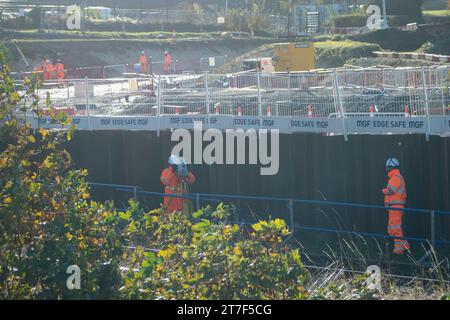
395, 229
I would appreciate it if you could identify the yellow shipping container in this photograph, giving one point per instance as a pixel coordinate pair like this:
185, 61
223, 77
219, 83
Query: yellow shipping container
294, 57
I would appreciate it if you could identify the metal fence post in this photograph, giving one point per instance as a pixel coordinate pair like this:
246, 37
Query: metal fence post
207, 93
433, 228
258, 82
158, 106
441, 85
135, 194
427, 107
88, 112
289, 85
291, 213
197, 201
340, 106
291, 219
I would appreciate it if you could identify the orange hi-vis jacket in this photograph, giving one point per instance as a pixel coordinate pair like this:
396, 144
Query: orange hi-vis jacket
143, 62
395, 198
143, 59
167, 62
59, 67
173, 185
48, 69
395, 192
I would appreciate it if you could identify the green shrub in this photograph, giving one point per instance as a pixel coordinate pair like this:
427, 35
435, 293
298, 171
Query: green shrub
47, 220
389, 39
350, 21
410, 8
217, 260
330, 54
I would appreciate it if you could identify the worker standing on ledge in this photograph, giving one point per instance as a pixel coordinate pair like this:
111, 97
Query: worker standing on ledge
395, 197
167, 62
175, 178
60, 72
48, 69
143, 61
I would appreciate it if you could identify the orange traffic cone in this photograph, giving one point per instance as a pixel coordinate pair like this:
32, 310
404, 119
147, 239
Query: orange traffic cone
407, 114
239, 110
310, 111
269, 112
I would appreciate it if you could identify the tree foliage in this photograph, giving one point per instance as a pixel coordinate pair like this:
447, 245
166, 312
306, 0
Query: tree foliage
207, 258
47, 220
410, 8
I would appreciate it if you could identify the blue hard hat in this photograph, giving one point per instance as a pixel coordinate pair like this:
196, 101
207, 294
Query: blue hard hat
393, 163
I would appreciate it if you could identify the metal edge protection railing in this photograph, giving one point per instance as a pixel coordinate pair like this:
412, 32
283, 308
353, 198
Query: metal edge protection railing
197, 197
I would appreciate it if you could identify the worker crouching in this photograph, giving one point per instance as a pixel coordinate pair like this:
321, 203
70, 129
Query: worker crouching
395, 197
175, 179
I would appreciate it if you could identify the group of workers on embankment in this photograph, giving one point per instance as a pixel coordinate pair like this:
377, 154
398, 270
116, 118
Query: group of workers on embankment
176, 178
57, 70
145, 63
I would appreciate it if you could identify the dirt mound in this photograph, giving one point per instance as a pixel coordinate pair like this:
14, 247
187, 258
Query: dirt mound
90, 53
329, 54
235, 65
369, 62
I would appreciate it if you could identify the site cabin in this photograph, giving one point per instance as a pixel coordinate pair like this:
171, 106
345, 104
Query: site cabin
298, 56
260, 64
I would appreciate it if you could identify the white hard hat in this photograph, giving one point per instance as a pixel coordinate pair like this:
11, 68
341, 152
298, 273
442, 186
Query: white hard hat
392, 163
173, 159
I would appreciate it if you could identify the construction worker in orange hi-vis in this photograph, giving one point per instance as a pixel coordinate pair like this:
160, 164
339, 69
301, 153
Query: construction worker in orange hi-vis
143, 61
395, 197
48, 69
175, 179
167, 62
60, 73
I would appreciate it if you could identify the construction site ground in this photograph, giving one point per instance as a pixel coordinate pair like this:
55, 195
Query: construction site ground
92, 49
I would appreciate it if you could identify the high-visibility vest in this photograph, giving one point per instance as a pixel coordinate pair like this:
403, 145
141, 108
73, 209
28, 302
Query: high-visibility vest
173, 185
48, 68
167, 59
143, 59
59, 67
395, 192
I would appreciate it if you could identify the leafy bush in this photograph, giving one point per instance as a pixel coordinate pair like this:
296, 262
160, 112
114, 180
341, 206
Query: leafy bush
359, 21
347, 21
410, 8
249, 21
330, 54
48, 223
212, 259
389, 39
47, 220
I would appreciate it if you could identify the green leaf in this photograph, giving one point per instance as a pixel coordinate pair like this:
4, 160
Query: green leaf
31, 138
125, 215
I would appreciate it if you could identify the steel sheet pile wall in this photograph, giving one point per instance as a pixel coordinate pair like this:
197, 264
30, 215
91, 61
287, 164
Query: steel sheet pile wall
312, 166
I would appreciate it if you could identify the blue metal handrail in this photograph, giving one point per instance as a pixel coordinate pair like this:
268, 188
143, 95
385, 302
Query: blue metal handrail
318, 202
220, 197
